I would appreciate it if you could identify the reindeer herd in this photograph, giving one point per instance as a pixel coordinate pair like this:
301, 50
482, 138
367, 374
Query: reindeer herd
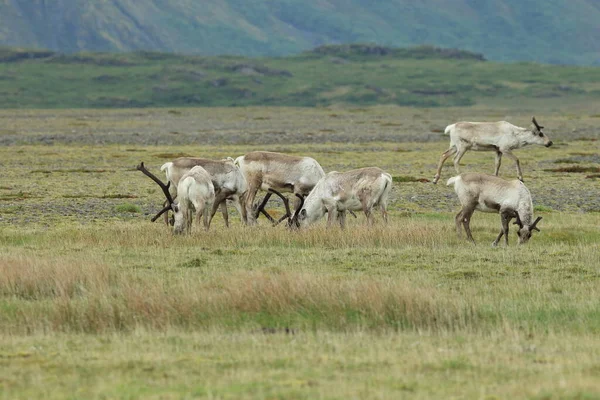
202, 186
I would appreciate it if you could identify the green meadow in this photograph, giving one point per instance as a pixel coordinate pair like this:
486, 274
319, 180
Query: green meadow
98, 302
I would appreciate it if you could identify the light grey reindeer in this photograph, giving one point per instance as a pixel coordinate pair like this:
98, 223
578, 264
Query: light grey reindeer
501, 137
338, 192
487, 193
228, 181
275, 173
195, 188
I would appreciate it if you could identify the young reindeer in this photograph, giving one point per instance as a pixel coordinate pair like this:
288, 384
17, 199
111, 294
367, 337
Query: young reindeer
276, 172
501, 137
227, 179
195, 188
487, 193
338, 192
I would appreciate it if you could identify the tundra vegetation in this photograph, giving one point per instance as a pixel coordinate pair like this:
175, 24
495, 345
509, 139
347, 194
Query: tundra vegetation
96, 301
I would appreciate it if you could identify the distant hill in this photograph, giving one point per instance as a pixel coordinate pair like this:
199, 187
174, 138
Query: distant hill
353, 74
548, 31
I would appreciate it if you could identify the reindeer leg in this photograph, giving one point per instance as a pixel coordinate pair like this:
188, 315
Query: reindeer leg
223, 208
467, 221
248, 202
510, 155
504, 231
458, 157
443, 159
497, 162
342, 218
331, 215
458, 222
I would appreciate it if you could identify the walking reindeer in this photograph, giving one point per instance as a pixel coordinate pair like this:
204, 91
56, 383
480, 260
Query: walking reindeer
501, 137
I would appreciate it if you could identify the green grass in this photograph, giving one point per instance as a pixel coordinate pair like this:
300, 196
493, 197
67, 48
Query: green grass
402, 78
98, 304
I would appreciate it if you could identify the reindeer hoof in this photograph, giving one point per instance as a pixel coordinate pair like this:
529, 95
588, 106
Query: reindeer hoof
435, 180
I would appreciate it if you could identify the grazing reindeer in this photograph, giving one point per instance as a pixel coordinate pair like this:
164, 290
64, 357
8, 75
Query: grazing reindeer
338, 192
195, 189
487, 193
228, 181
276, 172
500, 137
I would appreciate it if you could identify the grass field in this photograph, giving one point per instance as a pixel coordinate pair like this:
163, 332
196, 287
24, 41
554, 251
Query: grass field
97, 302
421, 77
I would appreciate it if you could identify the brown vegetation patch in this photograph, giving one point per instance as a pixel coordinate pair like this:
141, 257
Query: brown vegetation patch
17, 196
409, 179
68, 171
172, 155
574, 169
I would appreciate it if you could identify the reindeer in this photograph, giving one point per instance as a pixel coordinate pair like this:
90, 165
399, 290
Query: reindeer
275, 173
228, 181
487, 193
195, 188
501, 137
338, 192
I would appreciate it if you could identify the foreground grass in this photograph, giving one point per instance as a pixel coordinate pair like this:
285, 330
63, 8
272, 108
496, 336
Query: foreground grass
301, 366
123, 310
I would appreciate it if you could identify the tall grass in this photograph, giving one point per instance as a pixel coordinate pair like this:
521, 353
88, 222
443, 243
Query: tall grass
412, 275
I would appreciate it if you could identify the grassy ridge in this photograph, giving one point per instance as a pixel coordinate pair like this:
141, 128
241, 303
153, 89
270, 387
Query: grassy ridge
423, 77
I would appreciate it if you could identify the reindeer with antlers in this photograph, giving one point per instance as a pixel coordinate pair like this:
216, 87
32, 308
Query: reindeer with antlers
228, 181
487, 193
501, 137
195, 189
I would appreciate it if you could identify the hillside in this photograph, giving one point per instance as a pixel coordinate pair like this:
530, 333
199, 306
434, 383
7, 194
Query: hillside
556, 31
348, 74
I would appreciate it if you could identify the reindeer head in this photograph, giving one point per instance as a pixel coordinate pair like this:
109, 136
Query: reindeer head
538, 137
525, 231
170, 204
179, 223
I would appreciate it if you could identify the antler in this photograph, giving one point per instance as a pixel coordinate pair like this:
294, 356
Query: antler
536, 124
293, 222
533, 226
165, 189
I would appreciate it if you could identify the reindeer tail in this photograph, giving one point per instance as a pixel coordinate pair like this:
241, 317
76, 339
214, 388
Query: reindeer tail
166, 168
452, 180
449, 129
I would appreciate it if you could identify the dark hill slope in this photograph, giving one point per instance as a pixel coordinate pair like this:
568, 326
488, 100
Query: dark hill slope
550, 31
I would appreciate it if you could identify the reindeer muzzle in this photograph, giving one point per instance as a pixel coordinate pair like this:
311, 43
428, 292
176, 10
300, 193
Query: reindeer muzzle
549, 144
